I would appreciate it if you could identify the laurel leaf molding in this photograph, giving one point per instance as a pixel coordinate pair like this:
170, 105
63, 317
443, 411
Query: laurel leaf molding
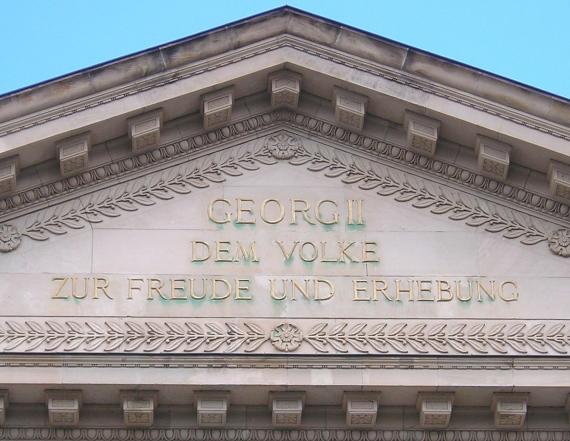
391, 336
273, 44
217, 171
185, 148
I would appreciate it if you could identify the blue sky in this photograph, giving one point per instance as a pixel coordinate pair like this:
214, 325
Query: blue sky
528, 41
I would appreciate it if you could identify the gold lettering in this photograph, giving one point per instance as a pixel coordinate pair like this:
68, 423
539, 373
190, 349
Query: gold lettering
359, 212
329, 294
272, 290
240, 288
58, 293
343, 252
303, 256
193, 293
175, 289
264, 215
303, 290
357, 289
514, 295
223, 251
303, 211
443, 286
133, 288
241, 210
225, 284
490, 291
227, 215
154, 287
195, 253
287, 255
74, 292
369, 254
324, 257
400, 290
458, 292
378, 289
318, 214
246, 254
424, 288
101, 284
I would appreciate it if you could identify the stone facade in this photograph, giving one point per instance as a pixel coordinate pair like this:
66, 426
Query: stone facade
290, 237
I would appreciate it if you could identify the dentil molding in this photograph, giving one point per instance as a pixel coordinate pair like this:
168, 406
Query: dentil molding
240, 434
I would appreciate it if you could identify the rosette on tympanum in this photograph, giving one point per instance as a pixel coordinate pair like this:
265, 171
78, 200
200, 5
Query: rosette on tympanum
10, 238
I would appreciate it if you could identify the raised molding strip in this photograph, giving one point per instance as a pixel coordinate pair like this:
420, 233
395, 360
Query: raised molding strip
241, 434
303, 336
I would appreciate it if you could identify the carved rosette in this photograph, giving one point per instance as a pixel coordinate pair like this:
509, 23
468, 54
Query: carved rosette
559, 242
10, 238
283, 145
286, 337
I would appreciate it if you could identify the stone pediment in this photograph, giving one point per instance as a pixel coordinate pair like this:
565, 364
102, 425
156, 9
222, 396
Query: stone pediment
122, 248
284, 204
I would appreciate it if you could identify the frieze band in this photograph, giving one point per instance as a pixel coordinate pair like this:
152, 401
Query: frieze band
454, 337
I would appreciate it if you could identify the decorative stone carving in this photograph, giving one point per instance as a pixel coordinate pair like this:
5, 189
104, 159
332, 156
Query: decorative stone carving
559, 242
283, 145
10, 238
212, 408
138, 407
361, 409
349, 108
286, 408
217, 108
390, 152
509, 409
364, 336
435, 409
73, 154
285, 88
348, 172
422, 133
559, 180
63, 407
286, 337
144, 130
8, 172
493, 157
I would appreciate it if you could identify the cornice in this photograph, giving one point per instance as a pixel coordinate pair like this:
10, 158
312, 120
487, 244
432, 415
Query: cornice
271, 44
510, 197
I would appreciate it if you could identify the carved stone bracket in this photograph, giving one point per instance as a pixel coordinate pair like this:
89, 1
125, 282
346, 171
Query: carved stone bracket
454, 337
281, 146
